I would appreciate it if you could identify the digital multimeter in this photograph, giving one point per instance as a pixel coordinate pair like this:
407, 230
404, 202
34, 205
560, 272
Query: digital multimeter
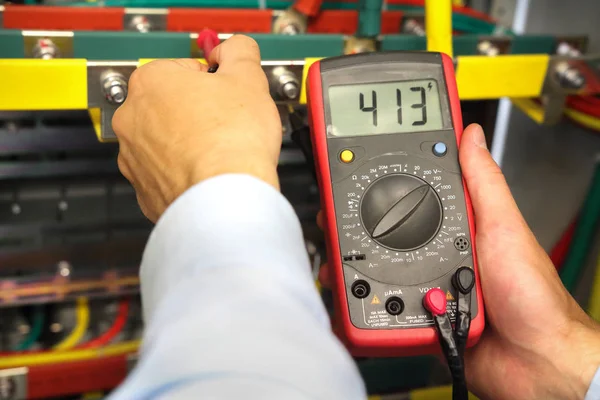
385, 129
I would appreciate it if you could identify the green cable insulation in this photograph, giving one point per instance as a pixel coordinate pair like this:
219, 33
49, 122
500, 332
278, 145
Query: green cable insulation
369, 18
35, 332
583, 237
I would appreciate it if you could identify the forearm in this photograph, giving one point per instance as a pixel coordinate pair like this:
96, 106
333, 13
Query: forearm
228, 297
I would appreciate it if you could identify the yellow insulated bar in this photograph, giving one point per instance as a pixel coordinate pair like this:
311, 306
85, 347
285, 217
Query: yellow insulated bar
28, 84
435, 393
438, 25
482, 77
307, 63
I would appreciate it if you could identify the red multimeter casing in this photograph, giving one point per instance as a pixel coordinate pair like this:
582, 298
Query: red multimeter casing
385, 129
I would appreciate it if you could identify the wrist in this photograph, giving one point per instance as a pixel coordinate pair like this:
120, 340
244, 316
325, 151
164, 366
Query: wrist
576, 358
257, 167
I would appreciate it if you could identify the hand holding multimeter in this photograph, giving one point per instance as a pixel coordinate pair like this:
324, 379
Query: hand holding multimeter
399, 223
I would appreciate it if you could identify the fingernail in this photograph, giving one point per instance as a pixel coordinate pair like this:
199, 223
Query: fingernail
478, 136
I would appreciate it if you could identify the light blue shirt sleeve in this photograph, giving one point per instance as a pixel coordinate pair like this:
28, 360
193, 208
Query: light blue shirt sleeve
230, 305
593, 392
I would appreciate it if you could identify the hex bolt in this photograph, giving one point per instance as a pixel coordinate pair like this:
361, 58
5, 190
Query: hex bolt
290, 22
566, 49
45, 49
15, 209
114, 87
56, 327
413, 26
63, 205
24, 329
290, 29
140, 23
287, 83
487, 48
568, 76
64, 268
290, 90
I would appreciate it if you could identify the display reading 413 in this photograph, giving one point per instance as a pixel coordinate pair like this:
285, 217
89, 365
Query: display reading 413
391, 107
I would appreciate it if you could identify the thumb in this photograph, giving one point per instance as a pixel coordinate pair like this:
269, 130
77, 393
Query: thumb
239, 55
495, 209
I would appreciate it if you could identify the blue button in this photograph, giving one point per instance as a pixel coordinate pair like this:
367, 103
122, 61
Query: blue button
440, 149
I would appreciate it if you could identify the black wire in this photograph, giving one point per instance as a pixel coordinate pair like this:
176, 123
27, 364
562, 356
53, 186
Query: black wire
463, 322
301, 138
463, 281
453, 357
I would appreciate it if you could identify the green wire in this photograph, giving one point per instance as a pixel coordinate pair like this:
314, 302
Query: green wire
35, 332
587, 225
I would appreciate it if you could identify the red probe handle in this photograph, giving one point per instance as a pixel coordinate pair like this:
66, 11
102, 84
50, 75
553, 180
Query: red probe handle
310, 8
207, 41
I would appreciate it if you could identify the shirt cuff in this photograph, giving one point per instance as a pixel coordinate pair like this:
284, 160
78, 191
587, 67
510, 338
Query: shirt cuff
593, 392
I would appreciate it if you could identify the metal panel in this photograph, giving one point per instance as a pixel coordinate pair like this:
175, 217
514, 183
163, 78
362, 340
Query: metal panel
11, 44
130, 45
280, 47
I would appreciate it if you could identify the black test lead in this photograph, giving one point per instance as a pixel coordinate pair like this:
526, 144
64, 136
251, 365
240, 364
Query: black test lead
435, 302
463, 281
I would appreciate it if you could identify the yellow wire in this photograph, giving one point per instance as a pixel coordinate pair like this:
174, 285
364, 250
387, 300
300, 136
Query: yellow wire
584, 119
83, 319
536, 112
28, 360
594, 304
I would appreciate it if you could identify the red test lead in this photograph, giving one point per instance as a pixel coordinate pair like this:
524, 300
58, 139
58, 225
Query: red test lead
435, 301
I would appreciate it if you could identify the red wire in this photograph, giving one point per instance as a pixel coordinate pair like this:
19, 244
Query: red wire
113, 331
561, 248
588, 105
461, 10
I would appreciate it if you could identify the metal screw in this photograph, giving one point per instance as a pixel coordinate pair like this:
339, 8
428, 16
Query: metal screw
566, 49
11, 126
414, 27
15, 209
311, 248
288, 85
24, 329
64, 268
114, 87
290, 29
56, 327
45, 49
63, 205
568, 76
141, 24
487, 48
8, 387
290, 90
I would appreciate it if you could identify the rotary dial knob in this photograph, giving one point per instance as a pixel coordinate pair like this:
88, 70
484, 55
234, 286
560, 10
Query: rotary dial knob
401, 212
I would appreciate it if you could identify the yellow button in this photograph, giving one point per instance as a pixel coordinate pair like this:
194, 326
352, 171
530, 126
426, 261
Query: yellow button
347, 156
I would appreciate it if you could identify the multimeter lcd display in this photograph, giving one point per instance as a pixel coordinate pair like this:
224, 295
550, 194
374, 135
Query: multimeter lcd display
390, 107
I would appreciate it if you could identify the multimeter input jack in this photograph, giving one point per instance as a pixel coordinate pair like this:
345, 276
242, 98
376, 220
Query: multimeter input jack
361, 289
394, 306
